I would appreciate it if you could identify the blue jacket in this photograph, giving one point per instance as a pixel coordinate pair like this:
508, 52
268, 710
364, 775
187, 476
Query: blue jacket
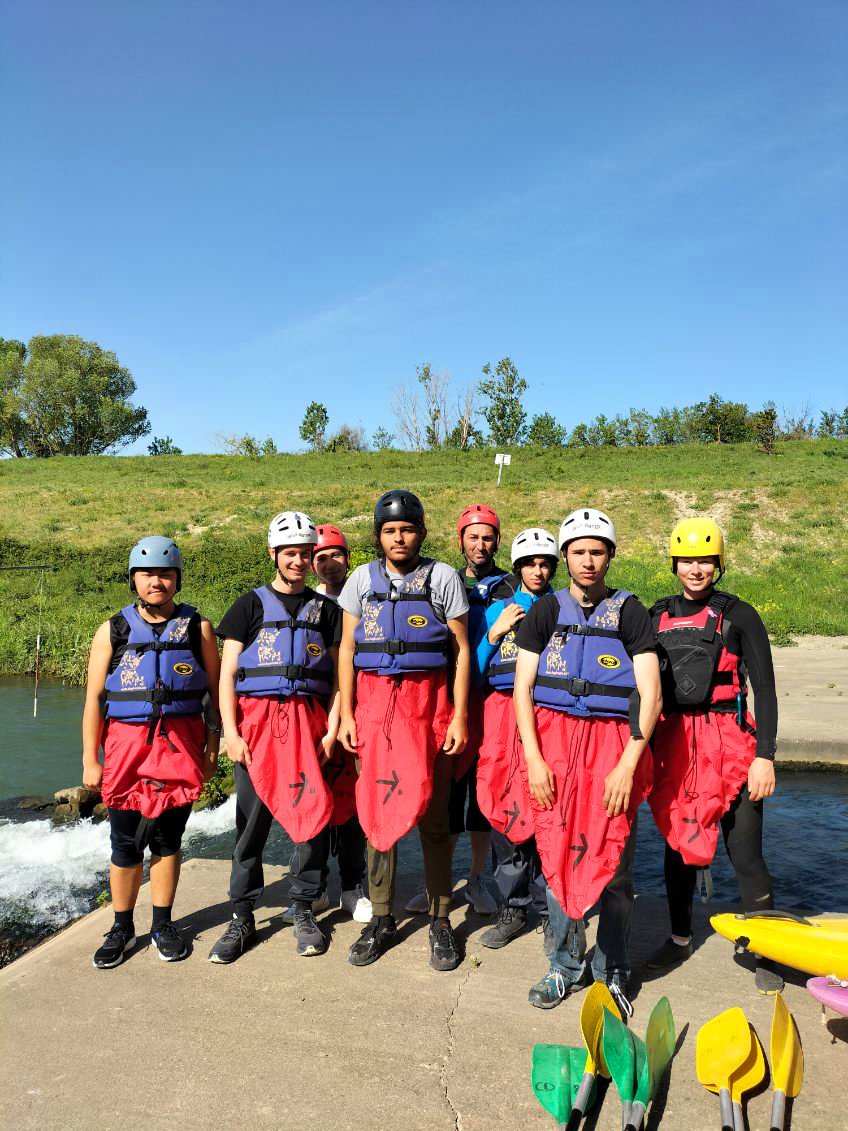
484, 652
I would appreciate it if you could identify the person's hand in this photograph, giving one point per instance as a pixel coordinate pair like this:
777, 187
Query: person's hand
92, 774
238, 750
618, 786
509, 618
347, 734
326, 747
210, 765
761, 779
541, 782
456, 737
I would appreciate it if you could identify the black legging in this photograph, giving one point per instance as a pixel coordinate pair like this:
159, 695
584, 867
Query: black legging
742, 829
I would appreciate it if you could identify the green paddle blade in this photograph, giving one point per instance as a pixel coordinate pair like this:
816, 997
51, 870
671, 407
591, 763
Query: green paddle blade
557, 1072
642, 1072
620, 1056
660, 1040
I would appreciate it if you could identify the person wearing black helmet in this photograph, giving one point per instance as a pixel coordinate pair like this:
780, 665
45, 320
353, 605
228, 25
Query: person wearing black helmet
405, 619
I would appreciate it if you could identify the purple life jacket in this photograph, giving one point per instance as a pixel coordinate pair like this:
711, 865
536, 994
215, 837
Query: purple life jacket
399, 630
584, 669
157, 676
288, 656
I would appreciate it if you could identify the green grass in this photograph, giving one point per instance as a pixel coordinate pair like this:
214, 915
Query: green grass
784, 517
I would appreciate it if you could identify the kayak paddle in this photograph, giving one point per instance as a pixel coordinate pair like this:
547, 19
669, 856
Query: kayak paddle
620, 1056
659, 1045
752, 1073
722, 1048
557, 1071
642, 1083
787, 1060
592, 1027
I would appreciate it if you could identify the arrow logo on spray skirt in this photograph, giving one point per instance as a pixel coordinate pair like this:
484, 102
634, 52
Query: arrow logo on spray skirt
300, 786
513, 815
696, 833
580, 849
391, 782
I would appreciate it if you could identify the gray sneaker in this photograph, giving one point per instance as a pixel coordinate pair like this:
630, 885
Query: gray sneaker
238, 937
308, 934
509, 922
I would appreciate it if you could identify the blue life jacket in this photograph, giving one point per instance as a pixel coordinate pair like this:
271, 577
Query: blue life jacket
584, 669
399, 630
157, 676
479, 598
500, 673
288, 656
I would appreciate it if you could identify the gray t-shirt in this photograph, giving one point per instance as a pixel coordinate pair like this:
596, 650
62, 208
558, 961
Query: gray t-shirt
446, 590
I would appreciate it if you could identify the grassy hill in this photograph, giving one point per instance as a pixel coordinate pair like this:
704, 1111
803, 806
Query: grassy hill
784, 517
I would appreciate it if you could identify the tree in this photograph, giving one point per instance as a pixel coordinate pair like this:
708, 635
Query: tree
65, 396
314, 425
544, 432
504, 414
163, 446
716, 421
580, 438
435, 392
464, 433
640, 427
668, 426
348, 439
382, 439
763, 425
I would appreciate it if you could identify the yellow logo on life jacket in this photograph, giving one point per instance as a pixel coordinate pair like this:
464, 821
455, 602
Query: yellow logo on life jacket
313, 650
609, 662
417, 622
183, 669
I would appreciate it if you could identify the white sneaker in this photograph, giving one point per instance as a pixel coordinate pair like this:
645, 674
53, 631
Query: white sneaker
420, 902
318, 905
357, 904
479, 896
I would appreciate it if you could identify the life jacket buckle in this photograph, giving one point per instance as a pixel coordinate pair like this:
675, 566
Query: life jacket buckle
396, 648
578, 687
160, 696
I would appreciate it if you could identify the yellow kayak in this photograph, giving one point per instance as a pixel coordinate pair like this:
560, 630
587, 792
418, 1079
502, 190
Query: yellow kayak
817, 945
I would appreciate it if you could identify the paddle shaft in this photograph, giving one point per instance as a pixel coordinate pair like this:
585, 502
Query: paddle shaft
778, 1110
637, 1114
726, 1109
738, 1118
583, 1093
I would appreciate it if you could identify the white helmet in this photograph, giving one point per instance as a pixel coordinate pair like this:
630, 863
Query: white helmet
291, 528
586, 523
533, 542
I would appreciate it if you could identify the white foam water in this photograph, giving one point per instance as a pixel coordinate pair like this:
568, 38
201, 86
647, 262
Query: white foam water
48, 872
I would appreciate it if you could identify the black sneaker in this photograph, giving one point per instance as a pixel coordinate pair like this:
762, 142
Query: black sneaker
444, 953
238, 937
120, 940
553, 989
766, 979
669, 954
617, 986
509, 922
169, 942
374, 940
544, 925
308, 934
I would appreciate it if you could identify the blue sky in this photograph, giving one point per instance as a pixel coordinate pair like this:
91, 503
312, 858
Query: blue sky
258, 204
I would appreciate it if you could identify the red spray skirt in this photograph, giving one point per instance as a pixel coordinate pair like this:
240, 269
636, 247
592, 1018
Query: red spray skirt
150, 778
502, 792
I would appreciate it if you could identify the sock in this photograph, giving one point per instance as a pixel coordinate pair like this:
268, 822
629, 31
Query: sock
441, 921
125, 918
679, 940
161, 915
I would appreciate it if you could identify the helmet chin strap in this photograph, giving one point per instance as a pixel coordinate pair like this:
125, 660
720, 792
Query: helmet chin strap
150, 605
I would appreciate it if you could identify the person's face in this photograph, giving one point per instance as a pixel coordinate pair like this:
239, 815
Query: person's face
536, 574
292, 562
330, 565
479, 543
400, 541
155, 586
696, 574
588, 560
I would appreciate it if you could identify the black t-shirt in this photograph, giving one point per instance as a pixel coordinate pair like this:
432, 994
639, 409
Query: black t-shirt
119, 632
748, 639
244, 618
539, 625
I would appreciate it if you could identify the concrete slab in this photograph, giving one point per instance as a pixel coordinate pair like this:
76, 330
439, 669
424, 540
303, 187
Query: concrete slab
275, 1040
812, 699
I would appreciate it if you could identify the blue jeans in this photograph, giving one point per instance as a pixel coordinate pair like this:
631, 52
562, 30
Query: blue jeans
616, 904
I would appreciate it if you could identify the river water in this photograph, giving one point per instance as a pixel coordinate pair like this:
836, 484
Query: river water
50, 874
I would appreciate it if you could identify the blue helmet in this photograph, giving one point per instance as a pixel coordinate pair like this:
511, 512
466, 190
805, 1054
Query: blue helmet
156, 552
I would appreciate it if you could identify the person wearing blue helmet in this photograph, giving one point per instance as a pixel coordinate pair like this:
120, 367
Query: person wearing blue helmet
152, 706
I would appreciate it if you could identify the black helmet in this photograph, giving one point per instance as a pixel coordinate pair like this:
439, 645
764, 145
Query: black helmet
395, 506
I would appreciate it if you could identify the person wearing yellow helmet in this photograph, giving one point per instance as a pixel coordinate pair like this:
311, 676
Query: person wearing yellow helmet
712, 766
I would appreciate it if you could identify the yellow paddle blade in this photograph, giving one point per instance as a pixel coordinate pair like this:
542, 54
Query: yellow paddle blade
722, 1047
787, 1056
751, 1073
592, 1025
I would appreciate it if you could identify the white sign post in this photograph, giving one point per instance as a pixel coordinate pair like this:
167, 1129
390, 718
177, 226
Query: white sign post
502, 461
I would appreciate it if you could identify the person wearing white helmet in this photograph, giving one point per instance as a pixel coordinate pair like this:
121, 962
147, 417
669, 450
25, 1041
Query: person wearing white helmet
279, 709
587, 696
501, 787
152, 669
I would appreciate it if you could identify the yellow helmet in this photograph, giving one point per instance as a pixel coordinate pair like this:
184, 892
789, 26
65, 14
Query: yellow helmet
695, 538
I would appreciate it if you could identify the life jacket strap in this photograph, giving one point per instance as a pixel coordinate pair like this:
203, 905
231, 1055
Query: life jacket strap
582, 687
586, 630
158, 695
158, 646
399, 647
289, 623
288, 671
399, 595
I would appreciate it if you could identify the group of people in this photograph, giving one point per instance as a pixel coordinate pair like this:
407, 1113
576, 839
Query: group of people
408, 693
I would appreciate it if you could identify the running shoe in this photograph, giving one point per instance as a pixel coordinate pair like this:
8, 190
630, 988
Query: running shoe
553, 989
617, 986
509, 923
310, 941
238, 937
357, 904
444, 952
479, 896
420, 902
374, 941
169, 942
669, 954
766, 979
120, 940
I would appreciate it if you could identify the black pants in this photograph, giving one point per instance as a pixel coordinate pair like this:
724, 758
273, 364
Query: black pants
518, 873
742, 829
310, 862
462, 790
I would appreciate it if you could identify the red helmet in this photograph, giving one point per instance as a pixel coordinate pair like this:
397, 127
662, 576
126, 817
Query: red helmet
330, 537
479, 512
